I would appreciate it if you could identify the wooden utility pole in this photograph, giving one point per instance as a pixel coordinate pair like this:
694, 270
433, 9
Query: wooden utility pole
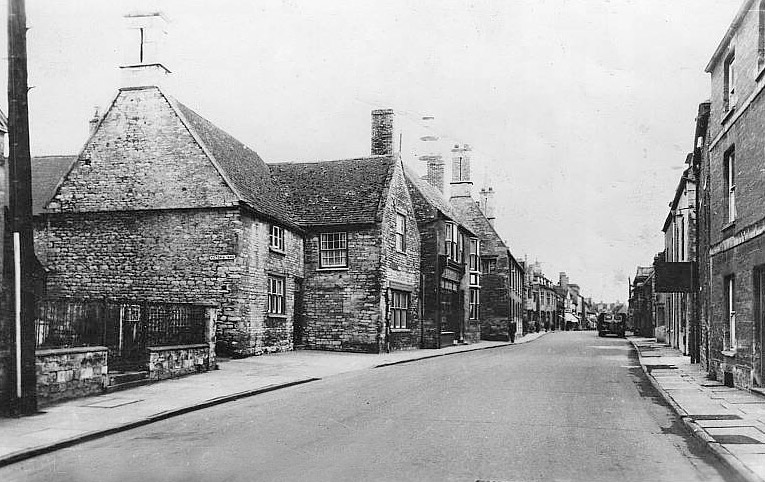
20, 211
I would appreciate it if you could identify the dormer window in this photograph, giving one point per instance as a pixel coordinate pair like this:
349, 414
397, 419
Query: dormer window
729, 94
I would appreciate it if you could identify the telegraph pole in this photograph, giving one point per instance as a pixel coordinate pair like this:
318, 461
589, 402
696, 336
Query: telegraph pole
20, 210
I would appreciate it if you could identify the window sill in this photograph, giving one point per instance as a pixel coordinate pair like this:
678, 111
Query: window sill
400, 330
729, 353
339, 268
277, 251
728, 114
276, 315
728, 226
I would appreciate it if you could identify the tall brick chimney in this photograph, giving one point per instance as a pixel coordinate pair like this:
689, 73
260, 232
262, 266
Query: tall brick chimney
146, 33
461, 185
431, 157
486, 204
435, 174
384, 142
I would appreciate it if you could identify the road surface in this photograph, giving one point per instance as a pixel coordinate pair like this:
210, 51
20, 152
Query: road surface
567, 407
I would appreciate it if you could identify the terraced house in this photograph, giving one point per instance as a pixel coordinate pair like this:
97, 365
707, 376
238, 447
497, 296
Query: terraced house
734, 189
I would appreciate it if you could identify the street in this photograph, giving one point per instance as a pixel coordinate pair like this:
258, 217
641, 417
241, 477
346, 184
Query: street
571, 406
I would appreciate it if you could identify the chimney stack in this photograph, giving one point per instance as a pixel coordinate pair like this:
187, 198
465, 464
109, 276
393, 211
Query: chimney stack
461, 185
563, 280
487, 204
435, 176
146, 33
432, 158
384, 142
93, 122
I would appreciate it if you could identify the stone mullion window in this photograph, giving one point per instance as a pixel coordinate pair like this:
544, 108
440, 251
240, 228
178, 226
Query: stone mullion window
399, 309
276, 295
333, 250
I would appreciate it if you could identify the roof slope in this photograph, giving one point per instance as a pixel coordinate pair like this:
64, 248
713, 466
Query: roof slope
477, 222
242, 167
325, 193
433, 198
47, 172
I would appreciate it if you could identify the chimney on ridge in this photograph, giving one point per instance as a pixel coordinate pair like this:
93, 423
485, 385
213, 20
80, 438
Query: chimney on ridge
145, 36
563, 280
93, 122
486, 204
461, 185
431, 157
384, 142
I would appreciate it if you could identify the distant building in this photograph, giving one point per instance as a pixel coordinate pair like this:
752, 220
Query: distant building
680, 246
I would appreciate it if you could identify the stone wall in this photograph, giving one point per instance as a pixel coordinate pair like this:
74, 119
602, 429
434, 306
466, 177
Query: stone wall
70, 373
245, 320
740, 262
217, 257
401, 270
343, 307
141, 139
174, 361
432, 242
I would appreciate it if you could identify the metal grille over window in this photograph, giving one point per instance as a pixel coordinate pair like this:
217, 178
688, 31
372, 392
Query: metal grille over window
333, 250
275, 295
399, 309
277, 238
400, 232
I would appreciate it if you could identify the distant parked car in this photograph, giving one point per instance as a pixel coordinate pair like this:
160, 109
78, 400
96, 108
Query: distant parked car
611, 323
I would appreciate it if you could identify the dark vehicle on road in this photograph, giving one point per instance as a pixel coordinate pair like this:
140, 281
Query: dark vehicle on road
611, 323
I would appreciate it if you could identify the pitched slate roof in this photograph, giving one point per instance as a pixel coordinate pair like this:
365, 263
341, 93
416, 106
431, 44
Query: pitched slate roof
477, 222
433, 197
348, 191
243, 169
47, 172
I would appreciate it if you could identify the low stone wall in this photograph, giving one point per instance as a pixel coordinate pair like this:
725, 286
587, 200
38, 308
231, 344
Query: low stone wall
175, 361
64, 373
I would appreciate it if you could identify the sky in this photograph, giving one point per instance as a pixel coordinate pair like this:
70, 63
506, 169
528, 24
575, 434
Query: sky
579, 112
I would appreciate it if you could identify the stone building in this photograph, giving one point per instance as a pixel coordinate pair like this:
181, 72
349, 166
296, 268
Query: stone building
162, 205
502, 276
736, 188
542, 300
642, 302
680, 246
450, 266
362, 249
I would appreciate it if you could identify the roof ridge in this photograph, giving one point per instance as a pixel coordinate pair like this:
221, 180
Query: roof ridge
320, 161
174, 105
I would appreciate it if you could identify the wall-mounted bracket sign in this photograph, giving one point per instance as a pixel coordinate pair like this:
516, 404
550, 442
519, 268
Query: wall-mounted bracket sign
222, 257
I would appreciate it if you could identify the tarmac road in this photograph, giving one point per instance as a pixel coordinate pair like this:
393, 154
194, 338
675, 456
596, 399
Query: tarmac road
567, 407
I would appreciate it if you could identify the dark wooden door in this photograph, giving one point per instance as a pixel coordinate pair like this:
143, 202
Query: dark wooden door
298, 319
759, 317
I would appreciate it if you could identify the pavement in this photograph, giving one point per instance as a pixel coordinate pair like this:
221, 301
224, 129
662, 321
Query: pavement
730, 421
83, 419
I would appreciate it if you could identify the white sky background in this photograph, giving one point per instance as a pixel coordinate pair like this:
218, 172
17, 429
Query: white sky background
580, 112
